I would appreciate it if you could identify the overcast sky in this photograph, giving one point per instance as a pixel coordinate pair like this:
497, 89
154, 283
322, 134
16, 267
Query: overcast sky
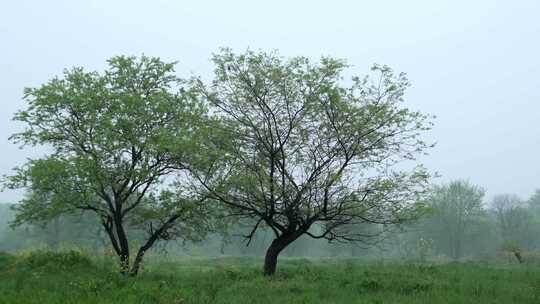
473, 64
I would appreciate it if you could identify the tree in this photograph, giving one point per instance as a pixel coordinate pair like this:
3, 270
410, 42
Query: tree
534, 210
115, 139
534, 201
457, 206
309, 155
511, 216
513, 219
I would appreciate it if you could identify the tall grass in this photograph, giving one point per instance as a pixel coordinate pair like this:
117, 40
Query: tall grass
72, 277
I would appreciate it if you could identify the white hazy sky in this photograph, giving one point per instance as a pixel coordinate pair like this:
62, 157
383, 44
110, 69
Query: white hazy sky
474, 64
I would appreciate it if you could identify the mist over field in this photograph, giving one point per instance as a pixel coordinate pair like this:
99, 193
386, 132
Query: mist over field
473, 65
264, 152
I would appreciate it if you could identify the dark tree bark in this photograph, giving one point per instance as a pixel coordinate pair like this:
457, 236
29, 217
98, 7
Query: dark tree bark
123, 244
272, 253
138, 259
270, 260
518, 256
154, 237
140, 254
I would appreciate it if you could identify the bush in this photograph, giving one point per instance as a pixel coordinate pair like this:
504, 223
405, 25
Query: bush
5, 259
54, 261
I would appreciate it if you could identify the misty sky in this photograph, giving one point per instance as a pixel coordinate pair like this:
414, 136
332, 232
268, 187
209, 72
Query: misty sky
473, 64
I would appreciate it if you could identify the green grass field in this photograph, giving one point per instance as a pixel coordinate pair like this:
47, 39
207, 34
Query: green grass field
43, 277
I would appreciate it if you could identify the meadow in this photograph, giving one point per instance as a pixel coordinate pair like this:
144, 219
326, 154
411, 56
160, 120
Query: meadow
73, 277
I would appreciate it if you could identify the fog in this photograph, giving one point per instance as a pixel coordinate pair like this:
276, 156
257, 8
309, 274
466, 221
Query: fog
472, 64
264, 165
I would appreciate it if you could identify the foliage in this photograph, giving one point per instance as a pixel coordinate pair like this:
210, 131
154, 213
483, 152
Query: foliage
309, 154
534, 200
49, 261
118, 140
513, 219
5, 259
457, 208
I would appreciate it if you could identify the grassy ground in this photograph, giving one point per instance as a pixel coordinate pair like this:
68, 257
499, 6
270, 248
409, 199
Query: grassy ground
42, 277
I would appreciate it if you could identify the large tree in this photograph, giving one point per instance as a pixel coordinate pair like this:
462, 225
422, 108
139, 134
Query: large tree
117, 141
309, 153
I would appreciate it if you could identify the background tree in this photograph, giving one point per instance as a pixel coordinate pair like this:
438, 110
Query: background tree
457, 207
114, 139
534, 202
514, 221
309, 155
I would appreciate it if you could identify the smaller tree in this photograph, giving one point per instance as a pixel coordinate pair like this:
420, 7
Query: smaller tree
118, 140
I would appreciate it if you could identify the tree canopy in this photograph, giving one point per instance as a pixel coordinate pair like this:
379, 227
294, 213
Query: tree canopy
311, 154
456, 207
118, 144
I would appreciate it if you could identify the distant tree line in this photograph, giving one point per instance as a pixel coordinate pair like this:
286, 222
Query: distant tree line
462, 223
504, 223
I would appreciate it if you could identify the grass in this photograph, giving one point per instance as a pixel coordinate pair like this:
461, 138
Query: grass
70, 277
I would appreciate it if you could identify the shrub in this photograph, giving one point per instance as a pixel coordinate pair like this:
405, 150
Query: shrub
54, 261
5, 259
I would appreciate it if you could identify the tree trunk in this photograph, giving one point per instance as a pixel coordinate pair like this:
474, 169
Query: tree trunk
140, 254
137, 263
124, 249
456, 249
144, 248
123, 244
124, 263
272, 253
56, 237
517, 254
